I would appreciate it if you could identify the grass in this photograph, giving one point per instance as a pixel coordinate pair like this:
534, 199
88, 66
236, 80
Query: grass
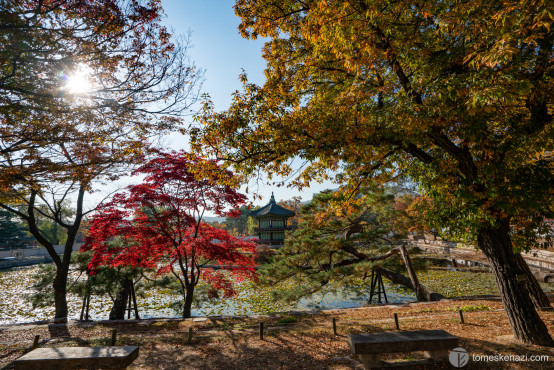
424, 310
469, 308
287, 320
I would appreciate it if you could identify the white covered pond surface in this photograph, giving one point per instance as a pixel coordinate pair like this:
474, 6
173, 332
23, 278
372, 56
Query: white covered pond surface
16, 287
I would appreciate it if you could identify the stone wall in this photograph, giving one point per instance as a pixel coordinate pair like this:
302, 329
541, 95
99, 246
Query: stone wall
31, 252
30, 256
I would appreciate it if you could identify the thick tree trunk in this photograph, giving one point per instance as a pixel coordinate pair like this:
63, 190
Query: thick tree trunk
187, 302
60, 301
120, 303
540, 300
511, 279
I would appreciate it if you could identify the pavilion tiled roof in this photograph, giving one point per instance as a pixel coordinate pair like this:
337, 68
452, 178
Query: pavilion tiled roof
272, 208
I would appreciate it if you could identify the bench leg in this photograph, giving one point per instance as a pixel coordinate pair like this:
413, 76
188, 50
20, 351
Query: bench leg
370, 360
438, 355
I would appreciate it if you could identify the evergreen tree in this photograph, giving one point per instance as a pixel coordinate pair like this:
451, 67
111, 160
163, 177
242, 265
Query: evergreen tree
341, 237
238, 226
12, 233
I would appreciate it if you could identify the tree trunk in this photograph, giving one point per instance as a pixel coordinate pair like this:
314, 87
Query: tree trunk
60, 281
120, 303
511, 279
187, 302
60, 301
540, 300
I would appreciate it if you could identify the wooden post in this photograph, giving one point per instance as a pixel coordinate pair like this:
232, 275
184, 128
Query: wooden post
411, 273
82, 316
377, 287
396, 321
35, 342
334, 326
461, 317
189, 339
114, 333
128, 309
88, 306
372, 286
262, 330
85, 308
135, 301
382, 289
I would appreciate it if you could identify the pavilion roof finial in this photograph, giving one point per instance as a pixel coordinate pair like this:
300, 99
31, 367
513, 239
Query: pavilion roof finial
273, 209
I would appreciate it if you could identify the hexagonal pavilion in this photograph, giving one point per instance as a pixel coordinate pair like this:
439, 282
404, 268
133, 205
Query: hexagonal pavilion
272, 223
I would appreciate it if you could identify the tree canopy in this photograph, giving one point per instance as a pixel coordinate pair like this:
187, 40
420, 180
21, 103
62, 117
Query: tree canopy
140, 80
58, 139
456, 95
375, 89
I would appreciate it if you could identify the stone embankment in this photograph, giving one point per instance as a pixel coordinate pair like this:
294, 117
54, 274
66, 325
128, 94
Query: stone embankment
29, 256
541, 262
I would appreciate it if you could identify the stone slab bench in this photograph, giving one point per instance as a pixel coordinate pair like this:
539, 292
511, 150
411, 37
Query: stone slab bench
78, 358
435, 344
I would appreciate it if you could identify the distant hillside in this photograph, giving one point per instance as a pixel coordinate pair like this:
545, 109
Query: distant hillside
213, 219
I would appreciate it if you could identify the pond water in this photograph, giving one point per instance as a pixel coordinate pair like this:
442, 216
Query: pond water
15, 288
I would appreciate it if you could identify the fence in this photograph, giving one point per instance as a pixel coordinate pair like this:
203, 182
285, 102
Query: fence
335, 325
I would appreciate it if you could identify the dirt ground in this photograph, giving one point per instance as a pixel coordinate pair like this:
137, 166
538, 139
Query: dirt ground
291, 341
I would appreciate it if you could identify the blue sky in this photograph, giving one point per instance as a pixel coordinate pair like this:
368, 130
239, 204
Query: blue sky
223, 53
217, 45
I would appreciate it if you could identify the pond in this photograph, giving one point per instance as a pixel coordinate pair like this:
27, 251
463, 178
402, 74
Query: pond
15, 287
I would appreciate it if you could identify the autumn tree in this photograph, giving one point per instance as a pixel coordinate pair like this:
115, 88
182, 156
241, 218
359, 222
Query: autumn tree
420, 216
441, 216
294, 205
162, 217
456, 95
85, 89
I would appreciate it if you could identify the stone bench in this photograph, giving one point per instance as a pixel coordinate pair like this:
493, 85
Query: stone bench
368, 347
78, 358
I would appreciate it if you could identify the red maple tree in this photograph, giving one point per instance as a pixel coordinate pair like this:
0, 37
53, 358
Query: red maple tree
159, 225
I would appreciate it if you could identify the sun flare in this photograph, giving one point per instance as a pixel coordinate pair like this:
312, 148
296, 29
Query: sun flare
78, 83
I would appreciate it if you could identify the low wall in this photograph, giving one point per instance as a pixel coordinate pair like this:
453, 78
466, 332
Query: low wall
30, 256
27, 261
39, 251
